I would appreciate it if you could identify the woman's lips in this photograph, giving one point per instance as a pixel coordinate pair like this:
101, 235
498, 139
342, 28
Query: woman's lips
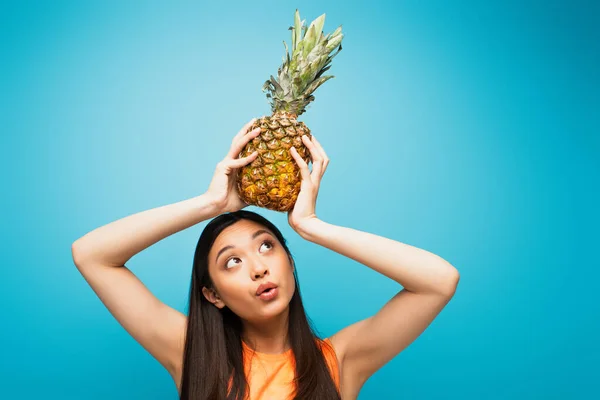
265, 286
269, 294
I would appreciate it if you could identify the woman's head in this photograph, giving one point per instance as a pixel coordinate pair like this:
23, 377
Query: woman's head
235, 254
245, 251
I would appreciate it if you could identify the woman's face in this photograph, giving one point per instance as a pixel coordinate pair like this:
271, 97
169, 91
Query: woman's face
244, 256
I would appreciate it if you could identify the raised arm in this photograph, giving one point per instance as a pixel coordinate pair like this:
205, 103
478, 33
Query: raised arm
101, 254
429, 281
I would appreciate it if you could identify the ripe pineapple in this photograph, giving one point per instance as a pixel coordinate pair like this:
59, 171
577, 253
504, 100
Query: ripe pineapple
273, 179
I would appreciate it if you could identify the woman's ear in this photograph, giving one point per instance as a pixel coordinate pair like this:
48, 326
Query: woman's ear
212, 296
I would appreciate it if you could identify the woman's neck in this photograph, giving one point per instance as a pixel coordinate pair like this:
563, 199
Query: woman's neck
270, 337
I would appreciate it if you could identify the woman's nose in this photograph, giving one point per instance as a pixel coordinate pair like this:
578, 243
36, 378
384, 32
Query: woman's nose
260, 270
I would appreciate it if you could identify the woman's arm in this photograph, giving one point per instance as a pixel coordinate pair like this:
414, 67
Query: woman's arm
101, 255
429, 281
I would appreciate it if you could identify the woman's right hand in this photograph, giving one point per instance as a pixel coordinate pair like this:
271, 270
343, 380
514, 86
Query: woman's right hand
223, 189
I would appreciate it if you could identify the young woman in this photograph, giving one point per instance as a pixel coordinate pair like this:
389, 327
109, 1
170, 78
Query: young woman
246, 335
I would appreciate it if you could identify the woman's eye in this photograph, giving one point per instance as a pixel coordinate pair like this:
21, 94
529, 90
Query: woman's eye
267, 243
227, 264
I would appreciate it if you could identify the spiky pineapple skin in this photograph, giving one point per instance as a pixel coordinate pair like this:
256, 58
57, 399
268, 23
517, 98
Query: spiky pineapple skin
273, 179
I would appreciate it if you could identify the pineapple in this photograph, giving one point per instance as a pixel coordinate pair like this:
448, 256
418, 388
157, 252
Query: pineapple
273, 179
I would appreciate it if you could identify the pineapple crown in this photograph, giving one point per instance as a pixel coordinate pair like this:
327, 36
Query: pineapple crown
301, 74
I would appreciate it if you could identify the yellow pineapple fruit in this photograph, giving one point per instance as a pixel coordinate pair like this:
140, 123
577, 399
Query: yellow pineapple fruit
273, 179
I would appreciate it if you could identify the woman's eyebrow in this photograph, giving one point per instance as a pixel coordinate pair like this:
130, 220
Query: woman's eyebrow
254, 236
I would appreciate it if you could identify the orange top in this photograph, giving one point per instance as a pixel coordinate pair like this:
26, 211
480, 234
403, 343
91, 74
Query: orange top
270, 376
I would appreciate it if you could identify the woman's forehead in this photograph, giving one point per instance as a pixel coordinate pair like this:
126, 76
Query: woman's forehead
242, 229
238, 234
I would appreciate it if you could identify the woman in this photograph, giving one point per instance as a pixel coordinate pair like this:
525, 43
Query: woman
246, 332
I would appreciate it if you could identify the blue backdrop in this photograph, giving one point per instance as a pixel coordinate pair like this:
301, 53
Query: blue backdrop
469, 129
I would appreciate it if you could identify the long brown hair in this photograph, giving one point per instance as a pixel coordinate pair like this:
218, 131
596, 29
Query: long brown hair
213, 347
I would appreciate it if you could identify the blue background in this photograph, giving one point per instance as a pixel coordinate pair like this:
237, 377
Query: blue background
469, 129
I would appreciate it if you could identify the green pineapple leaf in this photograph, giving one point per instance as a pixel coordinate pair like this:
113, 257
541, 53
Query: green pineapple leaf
301, 71
297, 30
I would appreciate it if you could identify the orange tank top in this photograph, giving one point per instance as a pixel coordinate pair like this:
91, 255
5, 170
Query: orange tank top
270, 376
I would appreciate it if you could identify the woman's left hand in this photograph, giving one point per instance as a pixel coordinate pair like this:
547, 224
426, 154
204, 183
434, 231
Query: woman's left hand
304, 209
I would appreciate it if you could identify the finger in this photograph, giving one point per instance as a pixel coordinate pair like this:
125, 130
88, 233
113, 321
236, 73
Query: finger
244, 129
320, 148
240, 143
325, 157
241, 162
314, 151
317, 158
301, 164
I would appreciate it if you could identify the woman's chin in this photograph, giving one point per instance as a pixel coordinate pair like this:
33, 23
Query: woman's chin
271, 310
